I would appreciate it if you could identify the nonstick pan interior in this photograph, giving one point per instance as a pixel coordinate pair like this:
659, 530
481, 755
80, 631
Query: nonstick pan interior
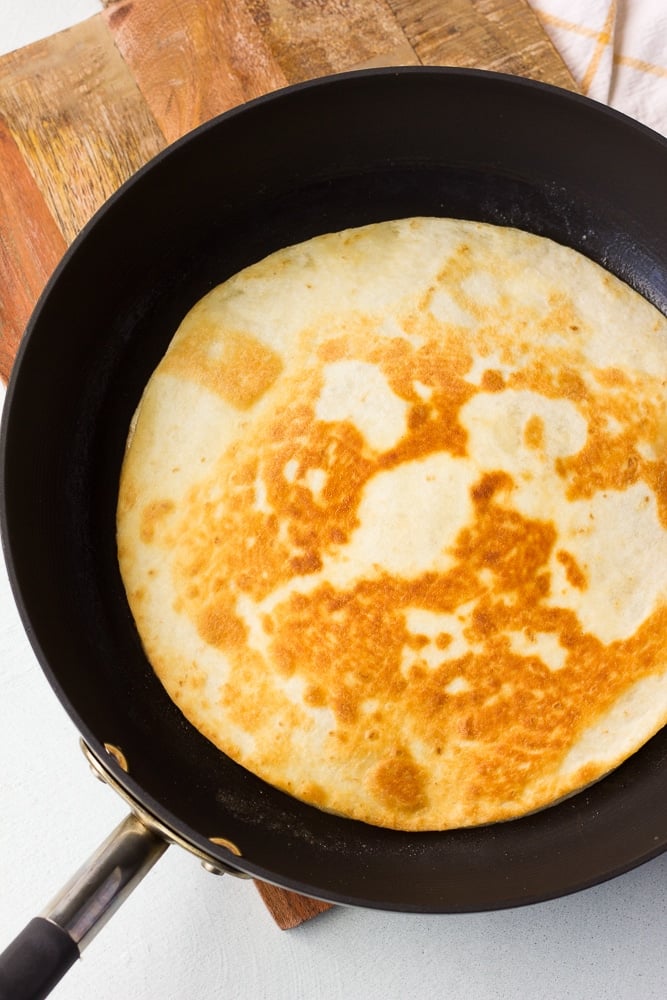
340, 152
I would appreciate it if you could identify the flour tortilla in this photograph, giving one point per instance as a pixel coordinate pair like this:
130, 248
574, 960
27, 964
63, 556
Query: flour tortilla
393, 521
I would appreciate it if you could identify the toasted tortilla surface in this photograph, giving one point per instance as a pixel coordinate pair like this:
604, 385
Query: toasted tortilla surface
392, 521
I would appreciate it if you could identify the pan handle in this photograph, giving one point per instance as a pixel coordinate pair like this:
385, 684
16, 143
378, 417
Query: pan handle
51, 943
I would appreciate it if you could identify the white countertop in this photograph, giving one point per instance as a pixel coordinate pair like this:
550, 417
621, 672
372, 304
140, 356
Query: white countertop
188, 934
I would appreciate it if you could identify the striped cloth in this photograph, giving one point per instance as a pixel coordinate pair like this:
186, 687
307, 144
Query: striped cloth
616, 51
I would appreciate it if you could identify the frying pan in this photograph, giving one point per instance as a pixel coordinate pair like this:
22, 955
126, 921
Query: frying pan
341, 151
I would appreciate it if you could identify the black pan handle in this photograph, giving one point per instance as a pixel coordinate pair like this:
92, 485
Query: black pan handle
36, 960
51, 943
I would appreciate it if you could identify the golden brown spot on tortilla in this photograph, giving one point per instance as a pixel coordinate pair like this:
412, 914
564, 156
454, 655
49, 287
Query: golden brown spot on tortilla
309, 562
573, 571
656, 476
151, 516
344, 705
611, 377
334, 349
608, 461
241, 373
533, 433
127, 497
400, 783
572, 385
315, 794
315, 695
195, 680
561, 314
490, 484
493, 381
219, 625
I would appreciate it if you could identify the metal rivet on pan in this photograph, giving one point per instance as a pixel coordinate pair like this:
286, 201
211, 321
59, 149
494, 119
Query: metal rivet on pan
218, 867
214, 869
117, 755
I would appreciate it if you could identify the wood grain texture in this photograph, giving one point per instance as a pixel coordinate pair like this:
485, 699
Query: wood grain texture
77, 116
515, 24
31, 245
500, 35
288, 909
311, 38
193, 59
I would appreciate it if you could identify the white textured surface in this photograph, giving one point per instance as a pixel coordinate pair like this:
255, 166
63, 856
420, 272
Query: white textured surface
187, 935
25, 21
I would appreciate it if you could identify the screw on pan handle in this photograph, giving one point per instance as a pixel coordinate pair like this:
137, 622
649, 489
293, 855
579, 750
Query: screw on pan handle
51, 943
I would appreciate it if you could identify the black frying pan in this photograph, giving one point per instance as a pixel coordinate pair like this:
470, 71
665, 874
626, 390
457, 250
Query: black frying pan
338, 152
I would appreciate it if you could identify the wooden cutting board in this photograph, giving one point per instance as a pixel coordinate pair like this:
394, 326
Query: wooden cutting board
82, 110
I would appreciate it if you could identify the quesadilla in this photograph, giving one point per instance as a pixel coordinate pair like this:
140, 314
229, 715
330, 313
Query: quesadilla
392, 521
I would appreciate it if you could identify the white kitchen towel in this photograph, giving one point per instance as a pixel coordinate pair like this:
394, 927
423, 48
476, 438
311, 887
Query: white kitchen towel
616, 51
